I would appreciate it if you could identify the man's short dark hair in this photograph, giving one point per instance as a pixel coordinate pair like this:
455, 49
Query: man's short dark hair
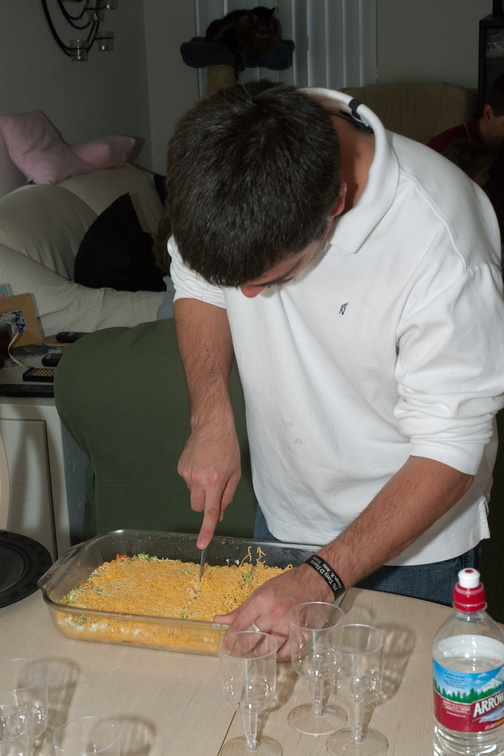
252, 175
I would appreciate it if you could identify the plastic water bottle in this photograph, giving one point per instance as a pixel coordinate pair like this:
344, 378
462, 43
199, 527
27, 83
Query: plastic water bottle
468, 659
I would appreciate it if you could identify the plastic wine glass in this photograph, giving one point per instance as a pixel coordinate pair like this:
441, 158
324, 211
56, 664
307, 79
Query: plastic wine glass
356, 672
23, 682
87, 736
309, 627
248, 675
16, 731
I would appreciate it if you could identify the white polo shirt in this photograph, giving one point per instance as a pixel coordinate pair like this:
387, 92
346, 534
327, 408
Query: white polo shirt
389, 344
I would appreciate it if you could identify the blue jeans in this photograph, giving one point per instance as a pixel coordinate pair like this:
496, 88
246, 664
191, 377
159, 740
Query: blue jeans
431, 582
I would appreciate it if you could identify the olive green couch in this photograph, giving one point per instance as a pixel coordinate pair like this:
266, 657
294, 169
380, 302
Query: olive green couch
121, 394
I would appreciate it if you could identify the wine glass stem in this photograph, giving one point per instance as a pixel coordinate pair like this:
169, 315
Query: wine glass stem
357, 730
317, 706
250, 727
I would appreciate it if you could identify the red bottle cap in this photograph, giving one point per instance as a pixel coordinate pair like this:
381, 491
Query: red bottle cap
469, 594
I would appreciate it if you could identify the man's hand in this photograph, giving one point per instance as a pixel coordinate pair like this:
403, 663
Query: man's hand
210, 462
414, 498
210, 466
268, 605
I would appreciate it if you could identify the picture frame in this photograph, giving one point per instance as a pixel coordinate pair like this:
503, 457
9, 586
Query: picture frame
24, 319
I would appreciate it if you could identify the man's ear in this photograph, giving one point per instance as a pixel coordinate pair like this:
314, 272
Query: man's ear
339, 205
487, 112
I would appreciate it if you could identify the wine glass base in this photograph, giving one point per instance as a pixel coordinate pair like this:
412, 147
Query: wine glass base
306, 722
373, 743
238, 747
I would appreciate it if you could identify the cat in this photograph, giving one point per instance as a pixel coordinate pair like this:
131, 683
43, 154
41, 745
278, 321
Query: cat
249, 34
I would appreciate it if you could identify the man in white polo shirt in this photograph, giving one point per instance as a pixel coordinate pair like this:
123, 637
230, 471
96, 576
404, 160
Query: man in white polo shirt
354, 274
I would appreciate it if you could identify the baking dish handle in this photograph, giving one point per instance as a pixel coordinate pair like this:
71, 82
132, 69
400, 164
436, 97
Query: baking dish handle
64, 558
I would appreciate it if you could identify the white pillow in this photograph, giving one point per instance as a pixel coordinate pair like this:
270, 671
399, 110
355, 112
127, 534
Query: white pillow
63, 305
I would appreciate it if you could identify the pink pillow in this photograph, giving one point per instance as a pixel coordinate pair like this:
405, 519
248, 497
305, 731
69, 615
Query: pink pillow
107, 152
37, 149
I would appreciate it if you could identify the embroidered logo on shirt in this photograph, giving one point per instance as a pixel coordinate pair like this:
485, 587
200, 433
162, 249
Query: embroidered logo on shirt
343, 307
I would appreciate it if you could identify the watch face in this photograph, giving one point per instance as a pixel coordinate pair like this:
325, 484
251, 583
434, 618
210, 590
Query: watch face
23, 561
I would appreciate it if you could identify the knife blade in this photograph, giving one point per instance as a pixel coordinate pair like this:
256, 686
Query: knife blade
202, 563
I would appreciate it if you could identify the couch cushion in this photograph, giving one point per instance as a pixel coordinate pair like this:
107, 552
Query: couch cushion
48, 223
100, 188
117, 252
45, 223
418, 110
37, 149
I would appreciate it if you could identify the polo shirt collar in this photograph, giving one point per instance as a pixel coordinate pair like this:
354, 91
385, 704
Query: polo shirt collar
355, 226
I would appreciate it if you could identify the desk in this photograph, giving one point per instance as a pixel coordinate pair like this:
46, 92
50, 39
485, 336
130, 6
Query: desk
170, 704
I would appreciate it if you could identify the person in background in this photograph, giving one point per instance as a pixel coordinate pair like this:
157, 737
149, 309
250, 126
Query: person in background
355, 277
485, 128
473, 158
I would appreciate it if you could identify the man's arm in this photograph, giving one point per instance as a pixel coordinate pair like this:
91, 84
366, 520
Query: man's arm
414, 498
210, 461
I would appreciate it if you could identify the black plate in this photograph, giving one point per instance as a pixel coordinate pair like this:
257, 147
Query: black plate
22, 562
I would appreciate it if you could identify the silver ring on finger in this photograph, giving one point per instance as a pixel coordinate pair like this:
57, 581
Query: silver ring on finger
255, 627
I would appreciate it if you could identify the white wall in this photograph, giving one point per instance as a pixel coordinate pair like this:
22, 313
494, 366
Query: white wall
430, 40
106, 95
173, 86
143, 87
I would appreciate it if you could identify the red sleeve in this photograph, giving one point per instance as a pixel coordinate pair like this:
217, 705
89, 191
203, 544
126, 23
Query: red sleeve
441, 141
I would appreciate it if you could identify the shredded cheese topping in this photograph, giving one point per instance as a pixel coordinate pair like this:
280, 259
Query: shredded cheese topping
161, 588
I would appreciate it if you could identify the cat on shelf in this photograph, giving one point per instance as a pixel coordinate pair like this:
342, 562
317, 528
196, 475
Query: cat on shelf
249, 34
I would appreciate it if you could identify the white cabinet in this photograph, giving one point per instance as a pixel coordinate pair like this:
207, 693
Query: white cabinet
32, 435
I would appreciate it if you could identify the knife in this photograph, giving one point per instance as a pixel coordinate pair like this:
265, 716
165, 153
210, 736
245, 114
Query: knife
203, 556
202, 563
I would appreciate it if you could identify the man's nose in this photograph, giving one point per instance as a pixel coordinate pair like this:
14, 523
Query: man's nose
252, 291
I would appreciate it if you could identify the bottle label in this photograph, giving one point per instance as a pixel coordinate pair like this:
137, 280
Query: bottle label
469, 701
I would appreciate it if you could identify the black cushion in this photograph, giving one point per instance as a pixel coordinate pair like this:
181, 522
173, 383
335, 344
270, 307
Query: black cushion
116, 252
160, 184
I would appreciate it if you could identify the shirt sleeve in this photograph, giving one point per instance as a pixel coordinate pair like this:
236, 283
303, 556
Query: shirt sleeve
190, 285
450, 368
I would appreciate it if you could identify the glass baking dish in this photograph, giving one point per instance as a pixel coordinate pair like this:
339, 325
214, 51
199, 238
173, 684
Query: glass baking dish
173, 634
